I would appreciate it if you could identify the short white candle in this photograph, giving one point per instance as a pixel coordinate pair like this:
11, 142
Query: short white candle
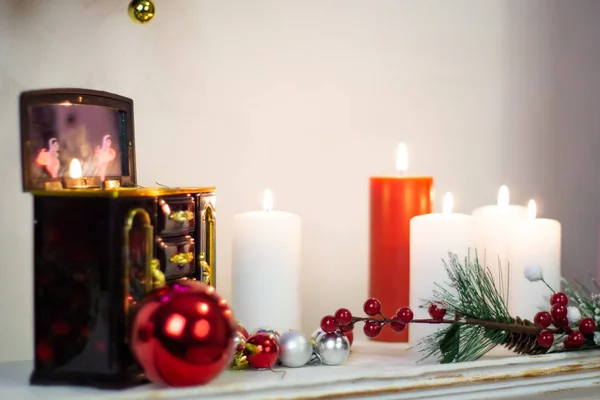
533, 241
266, 268
493, 224
432, 237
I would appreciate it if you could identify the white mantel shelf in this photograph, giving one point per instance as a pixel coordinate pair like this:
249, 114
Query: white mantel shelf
373, 371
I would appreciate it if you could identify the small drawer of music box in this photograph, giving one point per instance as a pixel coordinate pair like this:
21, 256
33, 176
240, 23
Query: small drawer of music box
177, 256
176, 215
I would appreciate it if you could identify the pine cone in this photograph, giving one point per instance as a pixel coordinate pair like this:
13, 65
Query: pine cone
524, 342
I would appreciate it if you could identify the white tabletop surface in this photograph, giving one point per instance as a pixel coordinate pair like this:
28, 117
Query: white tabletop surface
373, 370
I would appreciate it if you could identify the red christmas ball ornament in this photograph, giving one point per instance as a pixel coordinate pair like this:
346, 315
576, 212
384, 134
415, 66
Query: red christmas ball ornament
372, 307
559, 298
262, 351
543, 319
437, 311
328, 324
587, 326
182, 334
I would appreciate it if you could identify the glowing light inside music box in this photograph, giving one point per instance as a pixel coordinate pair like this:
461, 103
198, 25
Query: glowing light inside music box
75, 180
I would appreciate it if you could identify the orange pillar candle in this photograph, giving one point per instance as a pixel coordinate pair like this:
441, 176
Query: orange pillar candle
393, 202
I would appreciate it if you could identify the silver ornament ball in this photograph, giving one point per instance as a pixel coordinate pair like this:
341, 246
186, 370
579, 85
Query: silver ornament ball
333, 348
316, 335
295, 349
269, 332
239, 341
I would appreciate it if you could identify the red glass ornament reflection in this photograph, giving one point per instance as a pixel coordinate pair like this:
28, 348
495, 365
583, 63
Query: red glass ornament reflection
262, 351
182, 334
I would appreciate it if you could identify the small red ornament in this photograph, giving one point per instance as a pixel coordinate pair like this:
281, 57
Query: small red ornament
350, 336
182, 334
543, 319
372, 328
437, 311
372, 307
574, 340
328, 324
396, 325
343, 316
545, 338
405, 315
559, 298
558, 311
587, 326
262, 351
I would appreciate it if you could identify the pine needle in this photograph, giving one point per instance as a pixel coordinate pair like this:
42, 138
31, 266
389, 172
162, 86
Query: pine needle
478, 318
470, 294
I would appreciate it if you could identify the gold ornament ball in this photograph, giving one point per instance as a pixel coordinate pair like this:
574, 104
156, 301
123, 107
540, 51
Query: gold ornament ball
141, 11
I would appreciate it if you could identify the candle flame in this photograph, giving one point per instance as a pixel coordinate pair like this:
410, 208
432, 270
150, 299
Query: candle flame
75, 169
503, 197
401, 159
268, 200
448, 204
532, 209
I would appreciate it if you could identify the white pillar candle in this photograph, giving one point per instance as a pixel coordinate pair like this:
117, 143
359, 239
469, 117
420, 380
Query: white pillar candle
493, 225
266, 268
432, 237
533, 241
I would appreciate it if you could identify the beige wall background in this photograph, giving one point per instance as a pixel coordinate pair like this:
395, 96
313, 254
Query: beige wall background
310, 98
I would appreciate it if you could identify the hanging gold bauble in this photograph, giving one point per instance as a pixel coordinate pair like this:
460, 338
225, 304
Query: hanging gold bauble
141, 11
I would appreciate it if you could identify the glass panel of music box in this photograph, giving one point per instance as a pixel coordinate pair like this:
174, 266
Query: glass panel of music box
76, 138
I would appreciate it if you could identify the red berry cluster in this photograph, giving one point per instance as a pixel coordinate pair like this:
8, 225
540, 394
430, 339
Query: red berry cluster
558, 317
344, 321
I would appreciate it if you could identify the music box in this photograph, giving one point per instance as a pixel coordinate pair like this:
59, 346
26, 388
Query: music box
100, 241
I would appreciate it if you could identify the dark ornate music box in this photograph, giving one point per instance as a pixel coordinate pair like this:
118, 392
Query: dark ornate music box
100, 241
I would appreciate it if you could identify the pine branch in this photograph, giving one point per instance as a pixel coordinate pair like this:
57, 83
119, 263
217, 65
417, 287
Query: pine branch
481, 318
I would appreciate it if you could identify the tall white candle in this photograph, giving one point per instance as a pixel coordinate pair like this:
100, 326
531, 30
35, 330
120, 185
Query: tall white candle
432, 237
266, 268
493, 225
533, 241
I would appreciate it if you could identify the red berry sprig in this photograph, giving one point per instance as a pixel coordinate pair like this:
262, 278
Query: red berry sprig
558, 317
343, 321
